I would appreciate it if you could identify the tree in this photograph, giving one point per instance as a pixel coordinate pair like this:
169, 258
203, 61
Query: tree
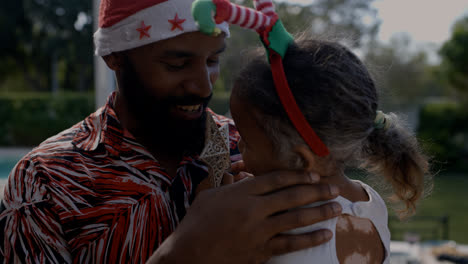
352, 21
403, 75
16, 32
47, 42
454, 54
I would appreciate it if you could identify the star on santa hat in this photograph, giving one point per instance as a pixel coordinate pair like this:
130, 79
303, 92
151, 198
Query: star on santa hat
176, 23
144, 30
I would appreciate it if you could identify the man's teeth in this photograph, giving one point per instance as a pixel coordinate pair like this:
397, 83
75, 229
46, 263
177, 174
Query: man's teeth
189, 108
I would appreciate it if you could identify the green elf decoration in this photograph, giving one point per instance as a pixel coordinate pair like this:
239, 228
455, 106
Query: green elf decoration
275, 38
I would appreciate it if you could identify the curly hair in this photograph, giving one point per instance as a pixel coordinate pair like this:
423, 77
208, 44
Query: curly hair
338, 97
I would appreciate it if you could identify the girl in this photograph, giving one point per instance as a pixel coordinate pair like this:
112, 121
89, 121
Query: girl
338, 98
313, 106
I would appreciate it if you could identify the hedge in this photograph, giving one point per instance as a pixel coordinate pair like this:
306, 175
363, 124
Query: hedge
27, 119
443, 128
220, 103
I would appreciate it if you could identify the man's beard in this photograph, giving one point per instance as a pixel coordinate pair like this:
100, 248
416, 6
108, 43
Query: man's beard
155, 124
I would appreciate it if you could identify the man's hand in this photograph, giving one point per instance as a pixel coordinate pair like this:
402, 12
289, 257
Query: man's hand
242, 222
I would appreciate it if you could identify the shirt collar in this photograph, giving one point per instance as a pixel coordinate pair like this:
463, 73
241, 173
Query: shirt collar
102, 126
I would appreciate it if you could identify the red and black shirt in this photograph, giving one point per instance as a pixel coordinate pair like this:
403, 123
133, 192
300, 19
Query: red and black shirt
92, 194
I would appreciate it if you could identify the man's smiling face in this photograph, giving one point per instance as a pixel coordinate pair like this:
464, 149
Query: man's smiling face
167, 85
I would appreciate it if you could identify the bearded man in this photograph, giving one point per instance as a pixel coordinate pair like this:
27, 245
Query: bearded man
120, 186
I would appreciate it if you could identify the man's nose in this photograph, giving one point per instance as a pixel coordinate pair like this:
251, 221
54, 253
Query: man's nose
200, 83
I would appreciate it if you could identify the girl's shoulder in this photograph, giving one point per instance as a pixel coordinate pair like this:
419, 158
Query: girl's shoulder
373, 207
362, 234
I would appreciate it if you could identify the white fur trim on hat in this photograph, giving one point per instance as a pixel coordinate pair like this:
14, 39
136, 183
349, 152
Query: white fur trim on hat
124, 35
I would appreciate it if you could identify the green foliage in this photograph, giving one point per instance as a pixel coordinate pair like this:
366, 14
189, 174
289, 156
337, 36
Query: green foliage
343, 18
220, 103
49, 42
402, 75
28, 119
351, 20
443, 130
455, 56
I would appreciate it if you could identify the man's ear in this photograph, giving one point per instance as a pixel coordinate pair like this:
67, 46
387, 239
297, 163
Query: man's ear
307, 156
114, 61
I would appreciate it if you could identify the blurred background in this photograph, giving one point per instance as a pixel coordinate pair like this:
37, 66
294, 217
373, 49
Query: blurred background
417, 51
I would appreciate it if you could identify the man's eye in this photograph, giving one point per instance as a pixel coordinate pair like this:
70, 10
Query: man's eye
213, 61
174, 66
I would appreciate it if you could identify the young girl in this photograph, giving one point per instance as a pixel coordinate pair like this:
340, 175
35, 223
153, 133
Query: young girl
313, 106
338, 98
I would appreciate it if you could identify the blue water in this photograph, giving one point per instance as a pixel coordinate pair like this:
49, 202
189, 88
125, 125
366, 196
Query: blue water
6, 165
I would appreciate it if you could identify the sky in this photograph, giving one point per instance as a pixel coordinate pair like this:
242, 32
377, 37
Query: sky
426, 21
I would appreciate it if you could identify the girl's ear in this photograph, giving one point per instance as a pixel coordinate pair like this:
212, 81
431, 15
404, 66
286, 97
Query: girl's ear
308, 157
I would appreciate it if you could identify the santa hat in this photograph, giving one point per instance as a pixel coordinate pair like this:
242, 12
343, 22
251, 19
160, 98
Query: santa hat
127, 24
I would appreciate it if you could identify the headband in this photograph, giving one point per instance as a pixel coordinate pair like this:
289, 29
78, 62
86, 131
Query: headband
275, 38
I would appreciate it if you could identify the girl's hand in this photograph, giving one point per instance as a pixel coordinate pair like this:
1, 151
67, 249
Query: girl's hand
236, 174
239, 171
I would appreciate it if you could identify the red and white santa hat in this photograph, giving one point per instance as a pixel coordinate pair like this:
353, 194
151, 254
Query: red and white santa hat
127, 24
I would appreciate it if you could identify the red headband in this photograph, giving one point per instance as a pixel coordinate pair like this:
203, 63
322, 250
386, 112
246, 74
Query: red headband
276, 40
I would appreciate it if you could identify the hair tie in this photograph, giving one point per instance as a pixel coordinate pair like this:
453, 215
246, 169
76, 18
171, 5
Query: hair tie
381, 121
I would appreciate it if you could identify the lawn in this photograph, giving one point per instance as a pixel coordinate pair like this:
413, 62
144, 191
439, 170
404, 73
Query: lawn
448, 198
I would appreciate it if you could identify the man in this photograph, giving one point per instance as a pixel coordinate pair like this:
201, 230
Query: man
116, 187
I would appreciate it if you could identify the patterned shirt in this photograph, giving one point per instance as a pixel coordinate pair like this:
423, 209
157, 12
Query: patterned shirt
92, 194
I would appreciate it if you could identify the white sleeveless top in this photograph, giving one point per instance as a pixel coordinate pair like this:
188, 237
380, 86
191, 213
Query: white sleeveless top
374, 210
